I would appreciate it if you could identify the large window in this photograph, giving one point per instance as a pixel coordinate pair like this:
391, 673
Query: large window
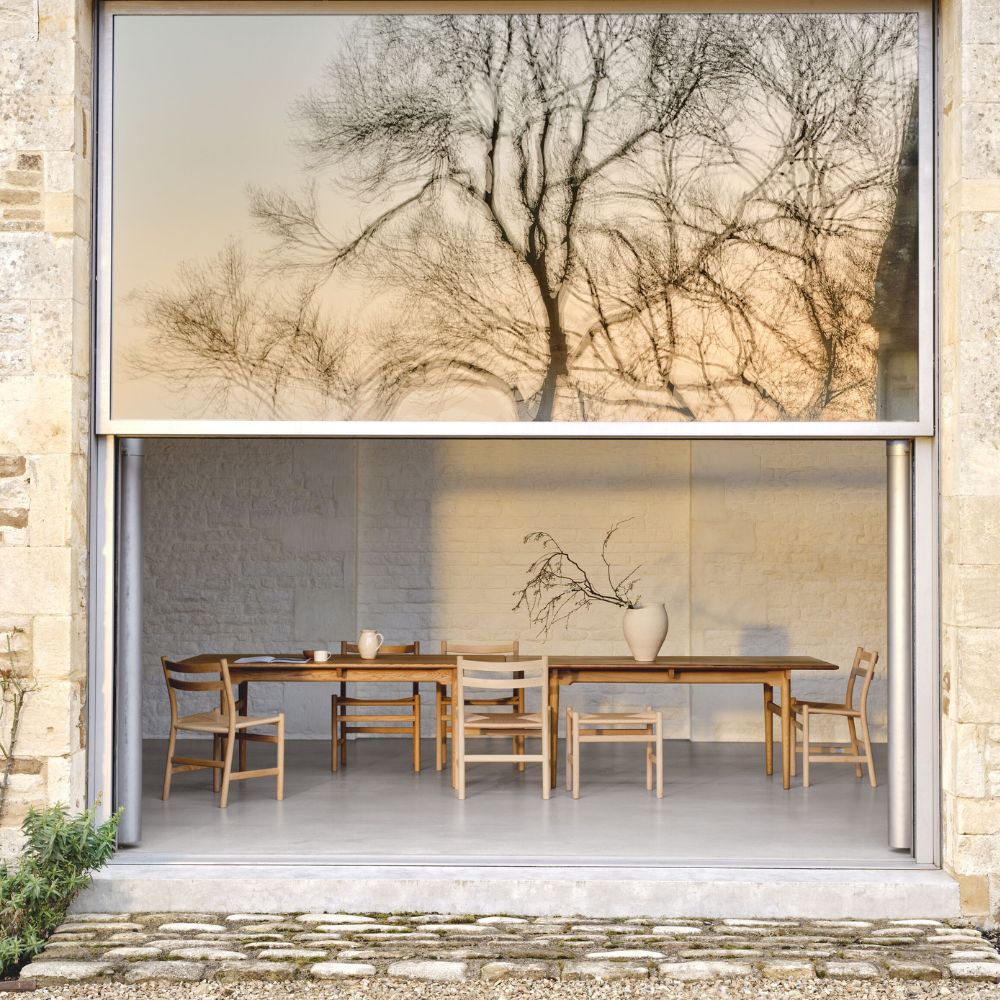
565, 222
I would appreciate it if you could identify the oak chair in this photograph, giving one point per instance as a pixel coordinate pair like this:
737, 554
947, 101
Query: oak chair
513, 700
343, 722
615, 727
803, 712
472, 674
224, 724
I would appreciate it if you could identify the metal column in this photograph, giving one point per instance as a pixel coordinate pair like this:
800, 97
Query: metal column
899, 525
128, 693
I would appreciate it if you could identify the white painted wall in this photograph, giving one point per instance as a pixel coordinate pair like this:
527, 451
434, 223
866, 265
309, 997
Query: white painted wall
754, 546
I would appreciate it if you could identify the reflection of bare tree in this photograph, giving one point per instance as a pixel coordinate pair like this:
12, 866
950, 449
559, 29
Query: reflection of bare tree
220, 329
638, 216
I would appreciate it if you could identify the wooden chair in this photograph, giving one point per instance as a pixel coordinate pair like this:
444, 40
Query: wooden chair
224, 724
614, 727
829, 753
473, 674
342, 722
513, 700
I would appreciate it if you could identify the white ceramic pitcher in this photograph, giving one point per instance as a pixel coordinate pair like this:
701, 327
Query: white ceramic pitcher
369, 643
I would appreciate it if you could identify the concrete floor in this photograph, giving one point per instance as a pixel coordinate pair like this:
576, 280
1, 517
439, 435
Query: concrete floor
719, 809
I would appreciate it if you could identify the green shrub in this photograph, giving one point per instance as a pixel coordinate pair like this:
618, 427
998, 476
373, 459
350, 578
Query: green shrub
59, 854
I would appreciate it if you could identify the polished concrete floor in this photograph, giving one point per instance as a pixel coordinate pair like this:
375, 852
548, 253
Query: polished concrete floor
719, 808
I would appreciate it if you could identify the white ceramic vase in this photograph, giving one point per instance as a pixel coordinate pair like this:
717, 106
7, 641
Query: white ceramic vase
645, 631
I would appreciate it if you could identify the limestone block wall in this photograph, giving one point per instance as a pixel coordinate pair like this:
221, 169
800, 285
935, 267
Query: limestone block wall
969, 352
45, 162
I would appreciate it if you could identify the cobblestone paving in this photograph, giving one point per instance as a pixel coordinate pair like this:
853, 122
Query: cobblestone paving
442, 947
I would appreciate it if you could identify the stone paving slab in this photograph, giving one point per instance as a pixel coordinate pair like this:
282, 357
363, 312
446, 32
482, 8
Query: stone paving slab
228, 948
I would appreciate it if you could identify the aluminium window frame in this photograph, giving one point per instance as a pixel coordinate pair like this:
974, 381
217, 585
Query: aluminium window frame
106, 424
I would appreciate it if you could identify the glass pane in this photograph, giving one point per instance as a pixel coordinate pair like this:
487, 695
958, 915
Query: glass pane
555, 217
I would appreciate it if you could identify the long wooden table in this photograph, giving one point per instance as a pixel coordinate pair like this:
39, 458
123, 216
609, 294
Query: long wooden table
772, 672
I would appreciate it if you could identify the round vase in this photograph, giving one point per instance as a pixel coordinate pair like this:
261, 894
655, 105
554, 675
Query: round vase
645, 630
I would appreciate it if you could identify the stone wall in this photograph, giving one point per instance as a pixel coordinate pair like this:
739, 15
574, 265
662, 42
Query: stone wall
45, 144
755, 547
969, 344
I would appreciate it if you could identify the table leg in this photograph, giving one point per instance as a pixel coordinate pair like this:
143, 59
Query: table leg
454, 733
554, 726
787, 747
768, 729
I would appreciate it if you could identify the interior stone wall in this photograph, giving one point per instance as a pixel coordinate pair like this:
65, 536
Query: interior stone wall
969, 436
754, 547
45, 163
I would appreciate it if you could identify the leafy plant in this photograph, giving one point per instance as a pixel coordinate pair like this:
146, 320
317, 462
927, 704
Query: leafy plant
558, 586
56, 862
14, 689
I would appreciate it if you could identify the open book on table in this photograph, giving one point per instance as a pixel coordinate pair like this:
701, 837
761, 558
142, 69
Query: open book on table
271, 659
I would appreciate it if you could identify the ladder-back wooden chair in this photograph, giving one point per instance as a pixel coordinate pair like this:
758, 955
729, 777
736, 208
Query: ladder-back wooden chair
513, 699
343, 722
478, 675
224, 725
803, 712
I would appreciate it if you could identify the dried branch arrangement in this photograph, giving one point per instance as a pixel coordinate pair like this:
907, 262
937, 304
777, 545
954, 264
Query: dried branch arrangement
14, 689
558, 586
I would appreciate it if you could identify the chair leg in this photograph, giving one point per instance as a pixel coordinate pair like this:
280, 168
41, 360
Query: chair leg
439, 735
795, 745
868, 750
519, 741
805, 746
216, 755
659, 755
768, 729
281, 758
227, 770
569, 750
649, 765
572, 750
334, 733
416, 728
342, 729
169, 773
573, 741
855, 746
458, 762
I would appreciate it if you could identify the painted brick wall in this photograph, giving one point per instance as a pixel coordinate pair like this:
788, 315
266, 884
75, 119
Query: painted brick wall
248, 545
754, 547
45, 162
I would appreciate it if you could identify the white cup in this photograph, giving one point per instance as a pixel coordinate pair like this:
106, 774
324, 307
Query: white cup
321, 655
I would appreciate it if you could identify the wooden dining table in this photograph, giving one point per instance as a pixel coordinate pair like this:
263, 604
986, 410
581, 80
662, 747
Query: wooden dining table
773, 673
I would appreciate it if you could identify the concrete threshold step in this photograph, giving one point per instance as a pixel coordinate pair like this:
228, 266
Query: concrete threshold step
820, 893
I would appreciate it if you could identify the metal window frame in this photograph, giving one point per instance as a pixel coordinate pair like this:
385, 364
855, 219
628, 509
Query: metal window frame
106, 424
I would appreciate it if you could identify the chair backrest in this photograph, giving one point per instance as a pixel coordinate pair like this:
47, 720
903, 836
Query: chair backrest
509, 675
480, 648
863, 667
215, 678
411, 649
